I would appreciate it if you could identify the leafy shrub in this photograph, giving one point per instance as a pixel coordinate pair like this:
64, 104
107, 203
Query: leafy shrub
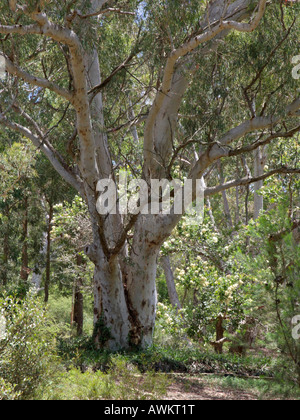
7, 391
59, 310
123, 381
27, 356
170, 328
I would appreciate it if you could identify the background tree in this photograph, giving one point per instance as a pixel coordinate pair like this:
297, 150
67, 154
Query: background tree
53, 60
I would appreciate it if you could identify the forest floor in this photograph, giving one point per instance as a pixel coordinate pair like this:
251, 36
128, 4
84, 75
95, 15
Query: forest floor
172, 374
191, 389
220, 389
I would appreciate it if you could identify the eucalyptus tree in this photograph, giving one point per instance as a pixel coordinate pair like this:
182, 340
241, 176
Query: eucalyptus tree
18, 212
54, 54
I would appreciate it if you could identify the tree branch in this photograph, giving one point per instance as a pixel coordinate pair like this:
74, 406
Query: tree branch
21, 30
247, 181
220, 149
104, 12
257, 144
97, 89
215, 29
37, 81
276, 237
89, 168
47, 149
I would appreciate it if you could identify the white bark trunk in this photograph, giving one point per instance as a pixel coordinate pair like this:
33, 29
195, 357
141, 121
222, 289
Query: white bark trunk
225, 199
131, 117
126, 298
39, 269
259, 163
101, 142
174, 299
110, 292
141, 286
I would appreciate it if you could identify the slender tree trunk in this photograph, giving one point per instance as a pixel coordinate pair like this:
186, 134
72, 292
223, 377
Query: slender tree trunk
39, 269
77, 317
5, 258
259, 163
48, 253
40, 265
225, 199
24, 269
174, 299
4, 267
78, 309
219, 335
237, 197
131, 117
237, 204
210, 212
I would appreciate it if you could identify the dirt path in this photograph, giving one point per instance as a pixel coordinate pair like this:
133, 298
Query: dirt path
202, 389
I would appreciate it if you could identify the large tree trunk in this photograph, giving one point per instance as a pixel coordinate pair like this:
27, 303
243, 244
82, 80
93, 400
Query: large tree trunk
125, 292
124, 285
141, 286
112, 324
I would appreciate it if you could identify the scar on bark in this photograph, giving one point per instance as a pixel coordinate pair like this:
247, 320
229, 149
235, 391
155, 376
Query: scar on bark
136, 330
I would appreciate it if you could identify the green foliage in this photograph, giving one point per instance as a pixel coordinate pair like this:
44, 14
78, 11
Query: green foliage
210, 281
27, 348
235, 272
280, 256
122, 381
101, 333
7, 391
71, 231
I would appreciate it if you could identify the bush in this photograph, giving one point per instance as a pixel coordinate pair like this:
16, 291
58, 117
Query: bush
123, 381
59, 310
7, 391
27, 356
